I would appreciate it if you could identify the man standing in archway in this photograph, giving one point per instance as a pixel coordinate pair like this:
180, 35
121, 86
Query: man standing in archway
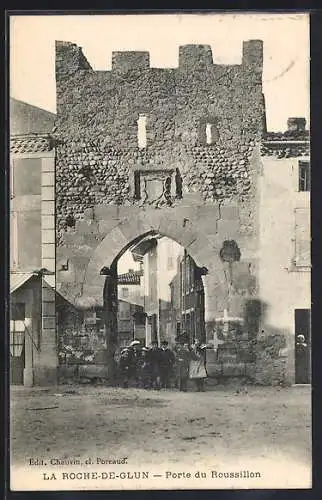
155, 356
166, 365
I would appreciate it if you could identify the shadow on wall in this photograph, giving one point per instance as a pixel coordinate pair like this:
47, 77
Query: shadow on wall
249, 352
272, 351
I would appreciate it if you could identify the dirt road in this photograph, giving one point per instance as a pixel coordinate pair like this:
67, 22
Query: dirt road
161, 427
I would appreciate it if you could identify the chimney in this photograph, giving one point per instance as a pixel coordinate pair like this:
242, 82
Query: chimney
296, 124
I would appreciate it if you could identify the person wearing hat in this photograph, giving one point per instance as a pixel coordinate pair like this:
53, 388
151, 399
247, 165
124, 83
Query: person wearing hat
167, 362
135, 354
183, 357
302, 360
125, 366
155, 354
197, 369
145, 369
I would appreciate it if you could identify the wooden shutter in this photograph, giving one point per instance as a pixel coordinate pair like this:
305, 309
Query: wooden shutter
302, 237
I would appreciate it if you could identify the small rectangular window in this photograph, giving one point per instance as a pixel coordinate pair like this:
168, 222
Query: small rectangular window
304, 176
125, 292
209, 133
137, 186
142, 132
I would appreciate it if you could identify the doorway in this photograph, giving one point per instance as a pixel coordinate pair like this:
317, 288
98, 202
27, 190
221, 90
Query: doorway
17, 343
302, 346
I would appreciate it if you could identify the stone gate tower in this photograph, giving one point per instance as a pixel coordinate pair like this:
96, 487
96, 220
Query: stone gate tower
170, 151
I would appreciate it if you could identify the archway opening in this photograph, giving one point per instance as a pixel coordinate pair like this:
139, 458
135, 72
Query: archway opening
154, 292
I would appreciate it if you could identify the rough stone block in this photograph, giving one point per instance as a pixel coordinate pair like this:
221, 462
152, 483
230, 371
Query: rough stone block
105, 226
48, 222
87, 227
48, 308
92, 295
79, 273
131, 229
233, 369
65, 276
208, 213
106, 212
180, 230
89, 214
48, 179
48, 294
129, 212
45, 375
188, 214
67, 372
150, 219
48, 323
72, 239
228, 229
214, 369
48, 235
202, 252
48, 193
92, 240
48, 251
48, 164
47, 207
229, 212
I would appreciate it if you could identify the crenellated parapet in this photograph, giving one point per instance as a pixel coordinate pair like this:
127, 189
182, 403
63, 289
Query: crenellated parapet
203, 126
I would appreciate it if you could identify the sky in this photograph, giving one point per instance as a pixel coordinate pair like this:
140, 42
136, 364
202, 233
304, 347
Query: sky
285, 37
127, 262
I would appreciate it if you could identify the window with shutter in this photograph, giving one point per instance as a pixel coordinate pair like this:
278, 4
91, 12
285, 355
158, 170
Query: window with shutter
304, 176
26, 176
302, 237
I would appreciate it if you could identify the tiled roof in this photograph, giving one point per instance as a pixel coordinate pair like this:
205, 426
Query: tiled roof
30, 144
130, 278
286, 144
289, 135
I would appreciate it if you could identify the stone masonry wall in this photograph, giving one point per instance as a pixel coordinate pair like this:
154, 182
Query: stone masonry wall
98, 154
96, 126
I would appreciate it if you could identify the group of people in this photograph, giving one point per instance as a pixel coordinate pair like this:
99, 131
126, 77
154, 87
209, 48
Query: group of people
159, 367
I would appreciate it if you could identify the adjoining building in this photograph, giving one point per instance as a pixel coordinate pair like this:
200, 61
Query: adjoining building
130, 314
284, 264
33, 342
172, 290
